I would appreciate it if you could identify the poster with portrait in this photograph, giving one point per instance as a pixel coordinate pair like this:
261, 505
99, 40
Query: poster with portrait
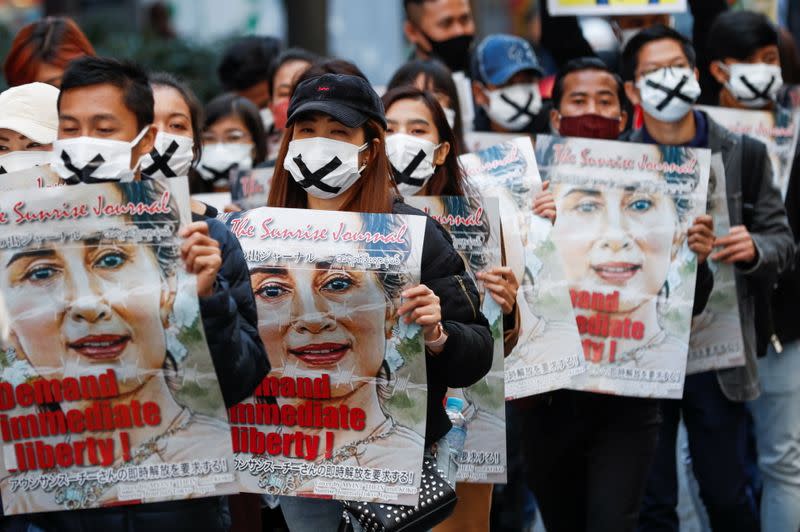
716, 340
108, 393
602, 8
474, 224
623, 212
778, 130
35, 177
250, 188
548, 352
342, 412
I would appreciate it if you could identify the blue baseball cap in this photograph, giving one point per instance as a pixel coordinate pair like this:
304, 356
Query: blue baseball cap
499, 57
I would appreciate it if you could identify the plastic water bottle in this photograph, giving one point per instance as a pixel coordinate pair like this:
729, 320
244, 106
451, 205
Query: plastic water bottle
455, 438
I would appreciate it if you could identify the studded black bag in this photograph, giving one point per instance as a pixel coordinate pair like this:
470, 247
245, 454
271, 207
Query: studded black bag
437, 500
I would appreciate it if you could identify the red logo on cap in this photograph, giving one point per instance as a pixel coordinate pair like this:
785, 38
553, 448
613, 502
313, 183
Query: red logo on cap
324, 89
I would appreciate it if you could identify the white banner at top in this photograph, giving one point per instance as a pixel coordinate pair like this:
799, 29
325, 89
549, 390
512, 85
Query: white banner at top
614, 7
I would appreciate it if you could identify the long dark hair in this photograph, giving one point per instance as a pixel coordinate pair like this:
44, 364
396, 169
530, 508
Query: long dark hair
375, 190
436, 77
448, 179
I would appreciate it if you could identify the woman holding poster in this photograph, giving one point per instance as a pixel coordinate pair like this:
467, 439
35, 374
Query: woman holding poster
106, 308
333, 157
337, 320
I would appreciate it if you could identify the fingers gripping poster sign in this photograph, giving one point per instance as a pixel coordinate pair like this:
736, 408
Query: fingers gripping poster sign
342, 412
548, 352
624, 211
108, 394
474, 224
599, 8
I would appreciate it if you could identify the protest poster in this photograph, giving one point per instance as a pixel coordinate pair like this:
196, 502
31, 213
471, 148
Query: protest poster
108, 392
474, 224
342, 412
35, 177
778, 130
548, 352
716, 340
601, 8
624, 210
480, 140
250, 188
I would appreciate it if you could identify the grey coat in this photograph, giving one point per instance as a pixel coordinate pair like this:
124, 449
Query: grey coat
773, 241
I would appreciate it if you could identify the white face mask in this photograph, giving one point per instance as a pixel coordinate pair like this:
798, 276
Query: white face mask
325, 168
412, 160
90, 160
668, 93
753, 85
220, 158
514, 107
171, 156
267, 119
450, 115
23, 160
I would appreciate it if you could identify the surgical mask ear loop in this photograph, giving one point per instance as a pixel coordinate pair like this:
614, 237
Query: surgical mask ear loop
361, 149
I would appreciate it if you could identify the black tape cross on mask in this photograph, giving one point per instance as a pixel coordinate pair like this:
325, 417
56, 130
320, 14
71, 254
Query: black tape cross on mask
671, 93
83, 175
405, 175
757, 94
161, 162
523, 110
314, 179
216, 175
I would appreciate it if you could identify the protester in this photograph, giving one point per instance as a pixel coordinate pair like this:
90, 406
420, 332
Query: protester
745, 61
233, 138
245, 70
42, 50
505, 76
28, 126
117, 128
575, 439
346, 120
422, 151
443, 29
433, 76
659, 69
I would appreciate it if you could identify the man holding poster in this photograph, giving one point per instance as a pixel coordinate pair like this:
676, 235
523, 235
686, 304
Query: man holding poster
104, 104
659, 68
583, 435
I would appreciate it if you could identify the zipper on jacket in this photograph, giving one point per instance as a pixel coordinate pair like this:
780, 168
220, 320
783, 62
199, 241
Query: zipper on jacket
466, 293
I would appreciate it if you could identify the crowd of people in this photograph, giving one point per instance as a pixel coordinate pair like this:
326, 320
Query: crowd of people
591, 461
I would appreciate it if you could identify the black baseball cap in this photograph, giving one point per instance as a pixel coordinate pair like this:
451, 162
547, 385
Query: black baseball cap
350, 100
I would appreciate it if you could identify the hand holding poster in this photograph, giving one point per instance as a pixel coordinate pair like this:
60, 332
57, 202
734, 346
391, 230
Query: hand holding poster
548, 351
108, 392
250, 188
624, 210
474, 224
778, 130
600, 8
716, 341
342, 412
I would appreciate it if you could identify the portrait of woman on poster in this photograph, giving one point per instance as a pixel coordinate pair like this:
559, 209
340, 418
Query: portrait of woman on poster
623, 239
82, 308
338, 320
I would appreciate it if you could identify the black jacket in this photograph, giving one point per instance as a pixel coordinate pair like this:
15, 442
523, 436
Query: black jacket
231, 326
467, 355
